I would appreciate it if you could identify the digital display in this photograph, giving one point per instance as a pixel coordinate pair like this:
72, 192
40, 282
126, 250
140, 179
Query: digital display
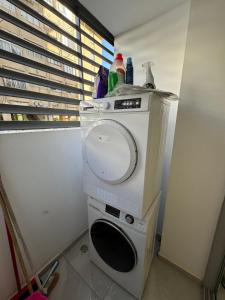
112, 211
128, 103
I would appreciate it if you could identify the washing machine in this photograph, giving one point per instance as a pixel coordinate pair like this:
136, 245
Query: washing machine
123, 144
122, 245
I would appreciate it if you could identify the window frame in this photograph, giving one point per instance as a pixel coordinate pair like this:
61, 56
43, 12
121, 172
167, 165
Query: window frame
13, 76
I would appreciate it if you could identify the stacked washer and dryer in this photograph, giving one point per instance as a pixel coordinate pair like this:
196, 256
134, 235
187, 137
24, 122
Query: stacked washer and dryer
123, 147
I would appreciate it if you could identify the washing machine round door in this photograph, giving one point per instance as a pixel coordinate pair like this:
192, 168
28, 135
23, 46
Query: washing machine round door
110, 151
113, 245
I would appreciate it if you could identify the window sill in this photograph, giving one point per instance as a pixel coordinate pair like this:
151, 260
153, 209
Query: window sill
37, 130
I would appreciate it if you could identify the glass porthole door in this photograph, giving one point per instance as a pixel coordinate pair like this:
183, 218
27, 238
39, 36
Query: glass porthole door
113, 245
110, 151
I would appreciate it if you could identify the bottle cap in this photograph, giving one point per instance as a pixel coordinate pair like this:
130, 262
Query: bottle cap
129, 60
119, 56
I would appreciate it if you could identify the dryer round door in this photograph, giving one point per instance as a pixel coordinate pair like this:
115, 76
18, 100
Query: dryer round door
113, 245
110, 151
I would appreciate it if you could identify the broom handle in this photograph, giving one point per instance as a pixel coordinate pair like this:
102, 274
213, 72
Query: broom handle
13, 256
15, 223
19, 233
15, 242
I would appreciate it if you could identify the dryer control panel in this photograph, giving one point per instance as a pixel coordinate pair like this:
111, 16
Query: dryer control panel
127, 103
119, 104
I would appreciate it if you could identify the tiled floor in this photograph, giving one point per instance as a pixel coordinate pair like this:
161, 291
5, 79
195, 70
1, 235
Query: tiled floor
221, 294
82, 280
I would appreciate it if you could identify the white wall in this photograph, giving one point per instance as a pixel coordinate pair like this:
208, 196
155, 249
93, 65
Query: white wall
161, 40
197, 181
42, 176
166, 164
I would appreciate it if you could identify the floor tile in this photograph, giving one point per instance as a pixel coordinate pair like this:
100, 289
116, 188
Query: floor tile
78, 257
70, 286
221, 294
165, 282
118, 293
80, 279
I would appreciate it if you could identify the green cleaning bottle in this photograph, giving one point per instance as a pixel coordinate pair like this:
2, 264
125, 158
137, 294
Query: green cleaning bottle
113, 77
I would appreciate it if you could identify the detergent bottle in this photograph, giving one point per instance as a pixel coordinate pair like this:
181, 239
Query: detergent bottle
129, 71
116, 73
120, 69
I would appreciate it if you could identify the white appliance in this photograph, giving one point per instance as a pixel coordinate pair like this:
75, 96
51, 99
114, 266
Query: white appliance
121, 245
123, 145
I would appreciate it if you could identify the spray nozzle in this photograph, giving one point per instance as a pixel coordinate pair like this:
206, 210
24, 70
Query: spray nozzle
149, 83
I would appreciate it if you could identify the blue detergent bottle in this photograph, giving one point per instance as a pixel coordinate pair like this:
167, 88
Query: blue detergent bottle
129, 71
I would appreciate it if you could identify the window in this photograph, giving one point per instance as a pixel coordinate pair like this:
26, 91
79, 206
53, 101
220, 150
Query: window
29, 18
10, 47
48, 61
54, 62
50, 2
14, 83
7, 5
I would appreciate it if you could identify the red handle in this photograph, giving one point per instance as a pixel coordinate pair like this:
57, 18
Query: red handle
13, 256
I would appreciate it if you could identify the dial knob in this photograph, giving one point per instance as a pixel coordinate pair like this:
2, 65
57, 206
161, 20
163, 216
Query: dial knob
105, 105
129, 219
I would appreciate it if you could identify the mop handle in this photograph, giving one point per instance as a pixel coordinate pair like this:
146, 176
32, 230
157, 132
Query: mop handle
15, 242
13, 256
15, 223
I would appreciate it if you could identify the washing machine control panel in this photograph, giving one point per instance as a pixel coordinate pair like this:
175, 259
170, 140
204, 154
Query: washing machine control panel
125, 218
112, 211
116, 215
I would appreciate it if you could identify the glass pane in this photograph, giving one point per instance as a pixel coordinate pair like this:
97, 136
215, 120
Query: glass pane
36, 103
34, 117
92, 56
88, 88
38, 73
13, 48
66, 24
91, 44
90, 67
8, 27
96, 47
89, 77
12, 83
90, 31
7, 6
51, 16
87, 98
108, 46
27, 18
113, 246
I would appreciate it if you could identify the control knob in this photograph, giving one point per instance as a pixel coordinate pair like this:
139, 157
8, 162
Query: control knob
129, 219
105, 105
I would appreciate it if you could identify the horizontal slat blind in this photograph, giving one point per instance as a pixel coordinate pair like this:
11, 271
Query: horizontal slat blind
48, 60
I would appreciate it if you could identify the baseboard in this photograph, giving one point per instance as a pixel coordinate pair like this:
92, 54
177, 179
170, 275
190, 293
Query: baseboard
74, 242
24, 293
60, 253
191, 276
208, 295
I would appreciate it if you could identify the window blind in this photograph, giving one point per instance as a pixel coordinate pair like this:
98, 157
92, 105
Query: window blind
49, 57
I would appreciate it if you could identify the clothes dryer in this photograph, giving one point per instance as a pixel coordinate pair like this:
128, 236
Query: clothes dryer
123, 144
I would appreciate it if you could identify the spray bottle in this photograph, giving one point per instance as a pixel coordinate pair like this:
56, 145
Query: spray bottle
149, 83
